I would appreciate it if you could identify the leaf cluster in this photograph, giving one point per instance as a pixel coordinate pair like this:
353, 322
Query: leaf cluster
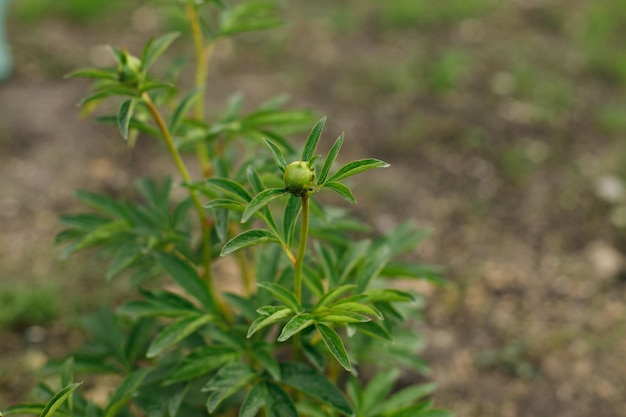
303, 321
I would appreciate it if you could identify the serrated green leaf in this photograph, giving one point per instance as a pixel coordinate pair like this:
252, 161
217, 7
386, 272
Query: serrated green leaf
356, 167
155, 48
58, 399
248, 238
341, 189
265, 321
330, 159
278, 155
295, 325
314, 384
125, 392
188, 278
311, 142
183, 107
177, 331
261, 200
253, 401
335, 345
283, 294
124, 116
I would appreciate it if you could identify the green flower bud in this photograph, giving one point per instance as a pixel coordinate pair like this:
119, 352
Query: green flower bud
129, 68
299, 177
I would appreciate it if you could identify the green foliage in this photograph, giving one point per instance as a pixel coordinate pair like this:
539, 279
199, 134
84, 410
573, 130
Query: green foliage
312, 304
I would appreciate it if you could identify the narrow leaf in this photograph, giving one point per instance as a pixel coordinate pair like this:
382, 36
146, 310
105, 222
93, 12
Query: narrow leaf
233, 188
125, 392
155, 48
253, 401
201, 362
176, 332
58, 399
295, 325
333, 295
20, 409
378, 388
278, 155
290, 218
278, 403
248, 238
104, 74
183, 107
330, 159
356, 167
407, 397
282, 294
313, 138
265, 321
226, 382
124, 116
341, 189
334, 344
261, 200
188, 278
314, 384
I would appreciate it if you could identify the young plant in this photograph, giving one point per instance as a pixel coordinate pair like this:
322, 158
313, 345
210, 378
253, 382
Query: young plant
312, 312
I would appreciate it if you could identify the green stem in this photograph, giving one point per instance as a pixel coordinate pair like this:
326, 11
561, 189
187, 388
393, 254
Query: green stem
203, 53
304, 234
184, 172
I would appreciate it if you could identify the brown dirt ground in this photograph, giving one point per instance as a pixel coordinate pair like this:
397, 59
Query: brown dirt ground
533, 322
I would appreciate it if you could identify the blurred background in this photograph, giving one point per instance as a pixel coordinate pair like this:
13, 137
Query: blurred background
504, 122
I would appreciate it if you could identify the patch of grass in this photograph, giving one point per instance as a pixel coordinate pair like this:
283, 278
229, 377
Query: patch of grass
79, 11
602, 39
407, 13
612, 117
24, 305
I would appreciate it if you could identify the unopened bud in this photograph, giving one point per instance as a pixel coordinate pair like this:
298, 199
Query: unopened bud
299, 177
